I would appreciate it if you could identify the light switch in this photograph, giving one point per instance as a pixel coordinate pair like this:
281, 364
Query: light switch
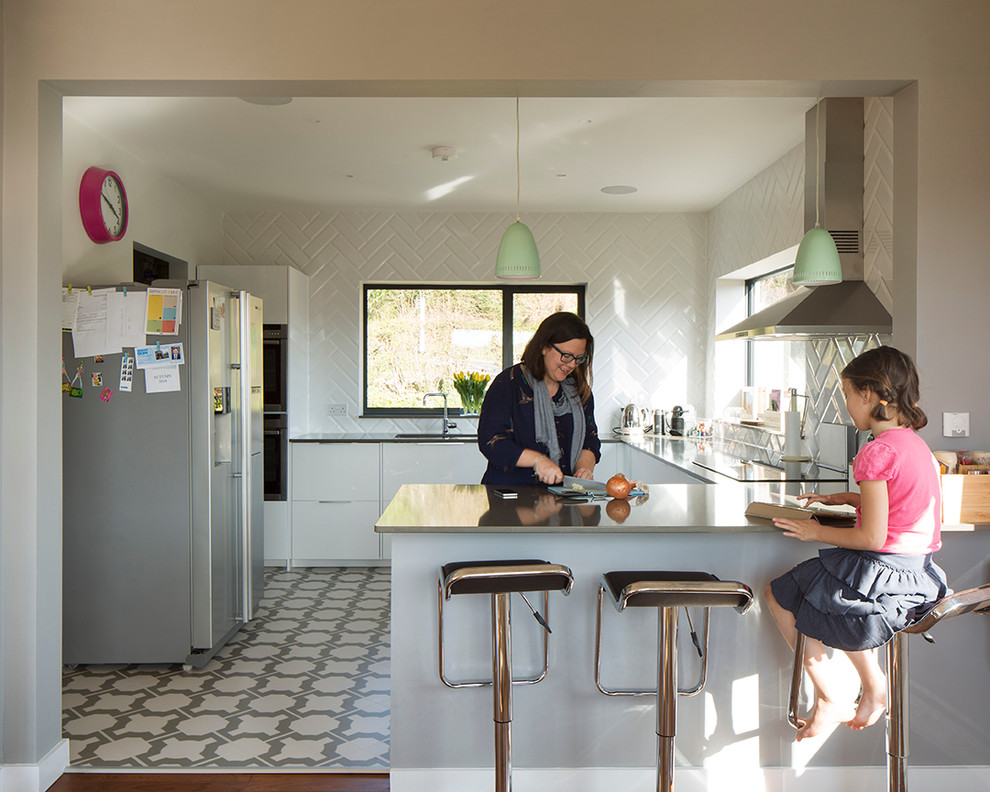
955, 424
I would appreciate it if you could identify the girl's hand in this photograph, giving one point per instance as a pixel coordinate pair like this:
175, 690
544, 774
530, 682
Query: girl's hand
835, 499
805, 530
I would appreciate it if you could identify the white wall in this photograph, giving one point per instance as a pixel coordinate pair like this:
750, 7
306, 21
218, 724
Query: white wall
645, 298
163, 215
582, 47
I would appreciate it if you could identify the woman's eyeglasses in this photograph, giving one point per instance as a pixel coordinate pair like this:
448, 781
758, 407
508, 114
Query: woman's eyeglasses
567, 357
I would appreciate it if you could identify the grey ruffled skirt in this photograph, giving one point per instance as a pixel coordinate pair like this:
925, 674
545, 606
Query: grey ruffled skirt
855, 599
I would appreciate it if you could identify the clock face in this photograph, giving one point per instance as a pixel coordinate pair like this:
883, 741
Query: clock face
113, 206
103, 205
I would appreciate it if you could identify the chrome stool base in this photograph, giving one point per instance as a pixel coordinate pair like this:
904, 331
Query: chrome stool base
975, 600
500, 579
667, 591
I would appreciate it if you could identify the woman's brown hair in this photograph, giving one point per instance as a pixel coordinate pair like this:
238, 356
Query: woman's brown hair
559, 328
893, 377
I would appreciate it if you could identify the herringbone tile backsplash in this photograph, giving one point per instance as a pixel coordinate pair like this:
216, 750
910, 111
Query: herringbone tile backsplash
651, 296
646, 297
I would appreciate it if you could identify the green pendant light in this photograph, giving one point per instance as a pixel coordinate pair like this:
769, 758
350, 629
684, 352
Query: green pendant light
517, 256
817, 261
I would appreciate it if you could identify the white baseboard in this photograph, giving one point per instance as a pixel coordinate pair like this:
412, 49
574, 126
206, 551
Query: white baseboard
690, 779
36, 777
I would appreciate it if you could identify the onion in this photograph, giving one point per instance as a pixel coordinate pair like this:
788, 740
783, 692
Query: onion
618, 509
618, 486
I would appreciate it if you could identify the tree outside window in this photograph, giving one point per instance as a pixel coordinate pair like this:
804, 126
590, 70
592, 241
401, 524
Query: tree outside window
417, 337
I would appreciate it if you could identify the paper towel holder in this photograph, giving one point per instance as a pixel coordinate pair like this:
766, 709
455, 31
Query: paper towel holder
792, 454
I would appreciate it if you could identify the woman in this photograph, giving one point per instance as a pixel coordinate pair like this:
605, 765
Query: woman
538, 418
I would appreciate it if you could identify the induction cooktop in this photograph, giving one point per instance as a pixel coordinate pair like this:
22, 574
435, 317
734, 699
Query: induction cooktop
749, 470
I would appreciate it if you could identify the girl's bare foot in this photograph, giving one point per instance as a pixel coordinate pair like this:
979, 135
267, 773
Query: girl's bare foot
871, 707
825, 716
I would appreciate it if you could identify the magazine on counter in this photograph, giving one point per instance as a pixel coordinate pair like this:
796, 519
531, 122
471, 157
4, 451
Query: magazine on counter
832, 517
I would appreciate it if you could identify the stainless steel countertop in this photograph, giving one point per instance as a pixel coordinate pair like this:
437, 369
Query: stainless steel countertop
667, 508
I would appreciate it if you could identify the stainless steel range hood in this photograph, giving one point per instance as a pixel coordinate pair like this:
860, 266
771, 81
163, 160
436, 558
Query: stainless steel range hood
844, 309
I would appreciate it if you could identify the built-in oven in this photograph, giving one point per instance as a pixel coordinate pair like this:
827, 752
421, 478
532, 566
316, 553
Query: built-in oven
275, 387
276, 457
275, 366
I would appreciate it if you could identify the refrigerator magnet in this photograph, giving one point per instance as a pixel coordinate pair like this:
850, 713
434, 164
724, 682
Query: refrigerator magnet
97, 379
107, 393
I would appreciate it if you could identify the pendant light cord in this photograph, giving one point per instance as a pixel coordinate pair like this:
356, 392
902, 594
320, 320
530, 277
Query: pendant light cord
517, 159
818, 162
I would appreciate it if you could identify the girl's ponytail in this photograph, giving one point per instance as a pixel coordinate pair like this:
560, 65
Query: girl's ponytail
893, 377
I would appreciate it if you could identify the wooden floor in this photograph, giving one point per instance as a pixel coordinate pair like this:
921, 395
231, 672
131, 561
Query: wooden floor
221, 782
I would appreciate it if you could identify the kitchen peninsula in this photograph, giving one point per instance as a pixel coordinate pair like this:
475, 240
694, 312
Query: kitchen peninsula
566, 735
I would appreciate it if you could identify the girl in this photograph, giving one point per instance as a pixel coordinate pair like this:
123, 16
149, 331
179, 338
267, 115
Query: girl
879, 576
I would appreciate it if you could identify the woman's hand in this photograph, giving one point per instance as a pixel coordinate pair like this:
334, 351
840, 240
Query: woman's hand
547, 471
805, 530
584, 466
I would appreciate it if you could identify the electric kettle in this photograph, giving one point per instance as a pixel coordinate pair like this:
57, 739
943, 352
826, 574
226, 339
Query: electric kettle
633, 419
677, 421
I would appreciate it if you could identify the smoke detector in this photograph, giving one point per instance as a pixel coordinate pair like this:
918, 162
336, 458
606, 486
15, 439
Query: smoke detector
444, 153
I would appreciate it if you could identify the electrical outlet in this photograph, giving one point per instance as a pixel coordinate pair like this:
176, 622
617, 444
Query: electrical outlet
337, 409
955, 424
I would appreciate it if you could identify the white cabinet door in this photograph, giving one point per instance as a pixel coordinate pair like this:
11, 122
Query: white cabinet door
615, 459
650, 470
335, 471
269, 282
334, 532
443, 462
334, 490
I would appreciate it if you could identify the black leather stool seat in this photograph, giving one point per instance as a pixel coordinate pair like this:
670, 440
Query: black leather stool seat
655, 589
498, 577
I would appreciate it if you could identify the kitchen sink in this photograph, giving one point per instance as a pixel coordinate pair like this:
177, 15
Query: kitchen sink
433, 436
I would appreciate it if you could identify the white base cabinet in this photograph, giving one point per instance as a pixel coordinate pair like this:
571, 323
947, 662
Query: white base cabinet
335, 492
276, 532
443, 462
330, 533
338, 491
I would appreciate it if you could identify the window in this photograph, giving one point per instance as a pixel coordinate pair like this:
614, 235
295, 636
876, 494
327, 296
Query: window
777, 365
417, 337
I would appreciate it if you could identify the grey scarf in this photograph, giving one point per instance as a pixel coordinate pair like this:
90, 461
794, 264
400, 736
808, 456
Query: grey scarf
544, 410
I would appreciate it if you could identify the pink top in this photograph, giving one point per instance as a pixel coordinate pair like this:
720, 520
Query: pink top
904, 461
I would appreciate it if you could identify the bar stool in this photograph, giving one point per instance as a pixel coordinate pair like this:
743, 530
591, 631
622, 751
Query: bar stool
971, 600
499, 579
667, 591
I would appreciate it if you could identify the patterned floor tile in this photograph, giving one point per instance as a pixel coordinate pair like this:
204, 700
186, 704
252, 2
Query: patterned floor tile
304, 686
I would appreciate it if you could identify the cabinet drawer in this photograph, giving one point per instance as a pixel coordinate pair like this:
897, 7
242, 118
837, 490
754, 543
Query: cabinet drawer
334, 531
335, 471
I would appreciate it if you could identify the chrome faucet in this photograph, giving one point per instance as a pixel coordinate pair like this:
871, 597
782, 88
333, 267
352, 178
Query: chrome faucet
446, 424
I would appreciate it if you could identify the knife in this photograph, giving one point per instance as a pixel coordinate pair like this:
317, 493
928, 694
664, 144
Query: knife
585, 485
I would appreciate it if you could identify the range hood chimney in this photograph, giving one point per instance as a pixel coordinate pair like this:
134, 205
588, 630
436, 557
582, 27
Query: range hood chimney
847, 308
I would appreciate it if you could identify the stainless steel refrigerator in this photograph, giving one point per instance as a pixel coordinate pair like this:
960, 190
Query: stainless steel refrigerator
162, 491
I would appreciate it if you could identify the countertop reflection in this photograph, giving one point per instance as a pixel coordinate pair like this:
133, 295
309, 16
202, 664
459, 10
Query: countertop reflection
666, 508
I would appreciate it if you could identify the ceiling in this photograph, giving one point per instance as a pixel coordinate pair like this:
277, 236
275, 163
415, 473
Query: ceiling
374, 153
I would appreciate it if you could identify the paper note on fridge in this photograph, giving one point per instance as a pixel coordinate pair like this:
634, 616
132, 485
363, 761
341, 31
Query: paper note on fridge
125, 318
89, 331
159, 356
161, 379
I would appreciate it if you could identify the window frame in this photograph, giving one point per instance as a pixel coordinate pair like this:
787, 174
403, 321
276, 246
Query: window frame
750, 291
508, 292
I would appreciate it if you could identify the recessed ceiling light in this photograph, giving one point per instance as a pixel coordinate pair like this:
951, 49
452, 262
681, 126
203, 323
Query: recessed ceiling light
619, 189
268, 101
